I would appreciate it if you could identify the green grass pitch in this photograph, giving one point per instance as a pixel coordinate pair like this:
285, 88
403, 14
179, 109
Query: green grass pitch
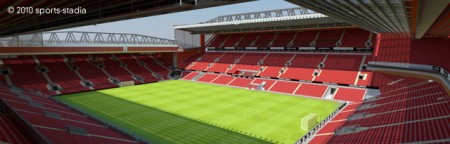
179, 111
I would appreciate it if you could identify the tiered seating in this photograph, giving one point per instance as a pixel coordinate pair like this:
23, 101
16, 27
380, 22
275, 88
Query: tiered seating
248, 39
277, 59
330, 127
388, 83
183, 64
207, 59
343, 62
226, 60
223, 79
416, 132
11, 132
407, 99
439, 130
66, 114
365, 82
26, 76
320, 139
284, 87
343, 115
91, 72
303, 67
190, 75
61, 74
350, 94
151, 64
232, 40
377, 135
283, 39
24, 73
269, 83
412, 114
54, 129
337, 76
2, 79
24, 104
340, 69
369, 74
326, 132
274, 63
271, 71
114, 68
218, 40
356, 38
303, 39
420, 55
312, 90
248, 62
208, 77
418, 113
328, 38
351, 107
137, 69
60, 136
240, 82
395, 48
264, 39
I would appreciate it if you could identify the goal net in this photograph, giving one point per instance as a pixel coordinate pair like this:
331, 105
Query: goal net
126, 83
309, 121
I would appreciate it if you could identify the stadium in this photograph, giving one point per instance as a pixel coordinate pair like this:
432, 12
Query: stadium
331, 71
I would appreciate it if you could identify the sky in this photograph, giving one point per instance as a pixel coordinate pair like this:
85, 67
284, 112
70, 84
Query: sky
162, 25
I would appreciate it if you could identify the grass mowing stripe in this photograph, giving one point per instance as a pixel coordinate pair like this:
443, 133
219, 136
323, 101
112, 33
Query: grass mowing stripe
164, 127
269, 116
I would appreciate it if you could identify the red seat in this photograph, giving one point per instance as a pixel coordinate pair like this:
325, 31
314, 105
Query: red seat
24, 73
284, 86
208, 77
350, 94
312, 90
240, 82
223, 79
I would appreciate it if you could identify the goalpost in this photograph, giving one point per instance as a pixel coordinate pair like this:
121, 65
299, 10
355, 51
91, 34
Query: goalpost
126, 83
308, 121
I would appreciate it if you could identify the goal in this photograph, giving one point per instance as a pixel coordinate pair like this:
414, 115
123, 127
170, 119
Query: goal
309, 121
126, 83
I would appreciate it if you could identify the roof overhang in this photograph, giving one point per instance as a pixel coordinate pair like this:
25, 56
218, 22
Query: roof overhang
8, 51
73, 42
415, 18
378, 16
244, 23
96, 12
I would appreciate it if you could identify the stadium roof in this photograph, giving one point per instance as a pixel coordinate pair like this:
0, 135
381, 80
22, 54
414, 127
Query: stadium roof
97, 11
70, 42
281, 19
417, 18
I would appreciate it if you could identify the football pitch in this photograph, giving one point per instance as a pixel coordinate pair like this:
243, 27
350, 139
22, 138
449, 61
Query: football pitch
179, 111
